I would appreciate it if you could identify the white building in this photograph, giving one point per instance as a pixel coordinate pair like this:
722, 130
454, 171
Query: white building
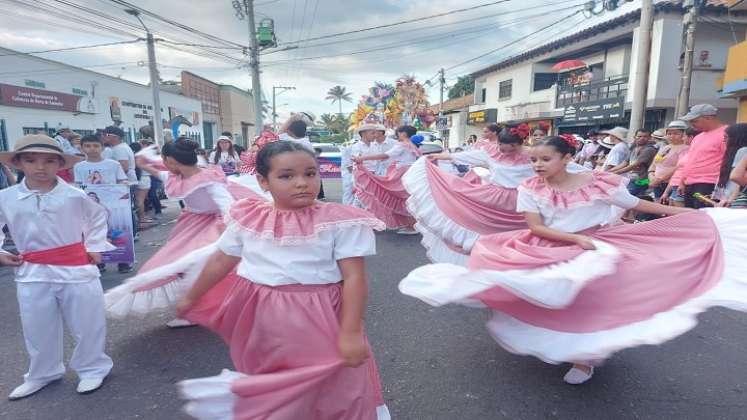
524, 88
39, 95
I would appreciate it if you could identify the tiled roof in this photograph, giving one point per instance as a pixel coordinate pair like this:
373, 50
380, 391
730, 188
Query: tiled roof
456, 103
664, 5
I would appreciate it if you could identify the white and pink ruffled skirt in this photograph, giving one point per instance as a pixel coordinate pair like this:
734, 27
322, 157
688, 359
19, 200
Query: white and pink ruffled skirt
283, 343
644, 284
384, 196
452, 213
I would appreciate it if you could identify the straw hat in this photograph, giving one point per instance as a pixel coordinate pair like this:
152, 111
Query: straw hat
370, 127
38, 143
619, 132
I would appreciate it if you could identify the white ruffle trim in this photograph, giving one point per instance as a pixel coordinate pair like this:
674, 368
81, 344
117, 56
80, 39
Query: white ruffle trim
437, 250
211, 398
423, 207
124, 300
554, 286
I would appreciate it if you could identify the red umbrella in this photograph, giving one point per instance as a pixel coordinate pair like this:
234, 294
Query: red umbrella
568, 65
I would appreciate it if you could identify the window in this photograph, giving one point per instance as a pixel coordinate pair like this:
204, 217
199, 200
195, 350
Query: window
504, 89
483, 95
544, 81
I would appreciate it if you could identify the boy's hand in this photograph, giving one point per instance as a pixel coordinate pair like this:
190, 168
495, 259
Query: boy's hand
10, 260
94, 257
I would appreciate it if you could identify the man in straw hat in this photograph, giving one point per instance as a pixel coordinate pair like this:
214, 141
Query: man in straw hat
60, 233
615, 141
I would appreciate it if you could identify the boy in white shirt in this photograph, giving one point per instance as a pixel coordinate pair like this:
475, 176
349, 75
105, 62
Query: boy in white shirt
95, 169
60, 234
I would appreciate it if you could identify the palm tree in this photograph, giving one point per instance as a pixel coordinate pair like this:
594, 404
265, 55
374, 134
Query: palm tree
329, 122
338, 94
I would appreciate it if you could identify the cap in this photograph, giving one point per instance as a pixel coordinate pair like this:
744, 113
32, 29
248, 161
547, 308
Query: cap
225, 138
114, 130
678, 125
700, 110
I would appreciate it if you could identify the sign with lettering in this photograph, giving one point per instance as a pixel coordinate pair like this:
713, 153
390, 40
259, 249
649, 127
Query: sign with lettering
482, 117
26, 97
600, 110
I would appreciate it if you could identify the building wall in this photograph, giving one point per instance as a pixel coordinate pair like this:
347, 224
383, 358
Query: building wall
237, 115
133, 100
618, 61
208, 93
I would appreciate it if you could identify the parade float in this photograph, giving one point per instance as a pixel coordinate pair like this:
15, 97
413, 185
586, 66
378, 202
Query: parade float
404, 103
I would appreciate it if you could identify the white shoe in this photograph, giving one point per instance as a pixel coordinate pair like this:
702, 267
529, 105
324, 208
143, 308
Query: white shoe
86, 386
576, 376
405, 231
180, 323
27, 389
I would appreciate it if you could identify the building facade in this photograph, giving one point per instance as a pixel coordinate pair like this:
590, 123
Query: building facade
735, 76
39, 95
525, 88
208, 93
237, 114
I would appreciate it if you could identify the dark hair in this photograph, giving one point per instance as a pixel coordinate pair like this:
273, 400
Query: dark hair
297, 128
227, 134
278, 148
90, 139
642, 130
507, 137
494, 128
407, 129
558, 143
136, 147
691, 132
183, 150
737, 134
113, 129
239, 149
473, 136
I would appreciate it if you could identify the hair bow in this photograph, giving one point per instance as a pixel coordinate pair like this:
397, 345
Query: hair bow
521, 131
570, 140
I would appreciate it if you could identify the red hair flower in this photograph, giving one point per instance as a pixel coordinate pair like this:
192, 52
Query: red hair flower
570, 140
521, 131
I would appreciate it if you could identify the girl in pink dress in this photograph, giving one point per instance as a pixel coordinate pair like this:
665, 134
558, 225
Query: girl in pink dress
286, 289
577, 285
206, 197
453, 213
384, 196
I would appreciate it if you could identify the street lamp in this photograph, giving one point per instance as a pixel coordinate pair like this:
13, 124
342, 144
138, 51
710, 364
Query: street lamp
154, 81
274, 107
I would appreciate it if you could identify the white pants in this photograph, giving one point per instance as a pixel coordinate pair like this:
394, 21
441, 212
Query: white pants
44, 306
347, 189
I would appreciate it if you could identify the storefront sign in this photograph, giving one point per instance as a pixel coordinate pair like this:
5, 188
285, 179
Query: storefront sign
603, 109
25, 97
482, 117
330, 167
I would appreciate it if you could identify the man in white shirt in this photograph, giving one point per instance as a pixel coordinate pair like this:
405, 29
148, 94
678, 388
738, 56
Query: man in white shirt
62, 137
368, 145
615, 141
120, 151
383, 145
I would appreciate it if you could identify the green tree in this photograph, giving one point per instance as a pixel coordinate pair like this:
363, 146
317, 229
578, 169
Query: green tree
335, 123
465, 85
339, 94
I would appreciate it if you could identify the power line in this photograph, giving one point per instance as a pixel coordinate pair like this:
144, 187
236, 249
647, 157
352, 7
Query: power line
515, 41
81, 47
389, 25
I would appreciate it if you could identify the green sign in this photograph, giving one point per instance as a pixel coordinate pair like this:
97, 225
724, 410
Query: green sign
80, 92
35, 84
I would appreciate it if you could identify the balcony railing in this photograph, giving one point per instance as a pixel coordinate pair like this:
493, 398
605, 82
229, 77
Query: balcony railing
568, 94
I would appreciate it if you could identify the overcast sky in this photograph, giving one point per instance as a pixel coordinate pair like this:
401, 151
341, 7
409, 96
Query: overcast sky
418, 48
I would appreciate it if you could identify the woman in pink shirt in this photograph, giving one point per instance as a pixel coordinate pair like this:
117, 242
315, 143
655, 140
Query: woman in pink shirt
672, 194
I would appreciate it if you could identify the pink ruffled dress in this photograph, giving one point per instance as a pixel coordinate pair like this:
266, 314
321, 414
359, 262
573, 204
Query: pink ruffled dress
453, 212
206, 197
279, 314
644, 284
385, 196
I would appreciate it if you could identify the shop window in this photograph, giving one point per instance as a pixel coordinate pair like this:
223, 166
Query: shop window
504, 89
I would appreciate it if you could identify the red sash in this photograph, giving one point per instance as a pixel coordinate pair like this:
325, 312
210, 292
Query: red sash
68, 255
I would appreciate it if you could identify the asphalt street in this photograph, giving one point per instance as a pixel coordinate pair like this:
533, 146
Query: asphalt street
436, 363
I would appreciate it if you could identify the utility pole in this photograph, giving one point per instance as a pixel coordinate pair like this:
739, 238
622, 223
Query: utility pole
245, 9
638, 109
155, 83
442, 82
274, 110
690, 21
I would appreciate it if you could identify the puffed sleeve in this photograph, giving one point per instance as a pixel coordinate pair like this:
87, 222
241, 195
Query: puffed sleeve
219, 193
472, 157
620, 197
354, 241
231, 242
96, 227
525, 201
395, 151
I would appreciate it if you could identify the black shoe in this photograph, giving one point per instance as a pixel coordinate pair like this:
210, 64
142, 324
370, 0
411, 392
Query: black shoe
125, 268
